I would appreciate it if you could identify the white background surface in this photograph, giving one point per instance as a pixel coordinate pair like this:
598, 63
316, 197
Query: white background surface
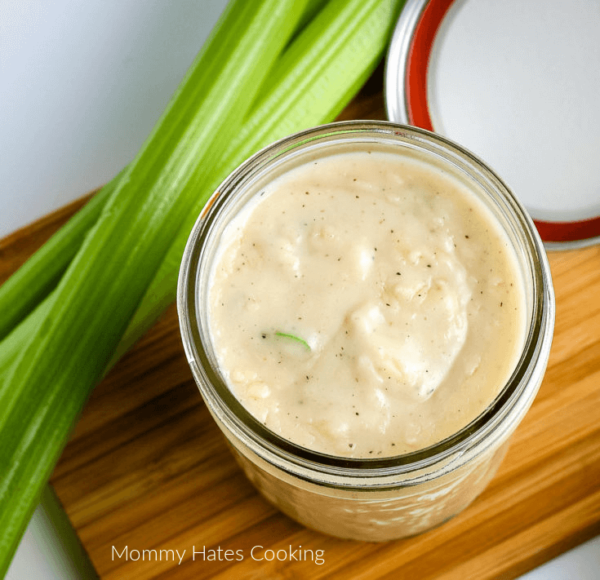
81, 85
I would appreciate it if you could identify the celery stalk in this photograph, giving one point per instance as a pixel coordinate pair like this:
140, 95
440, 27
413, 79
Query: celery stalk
14, 343
40, 274
46, 387
311, 9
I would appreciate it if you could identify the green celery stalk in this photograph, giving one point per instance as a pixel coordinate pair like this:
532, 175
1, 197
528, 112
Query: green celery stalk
45, 389
310, 10
40, 274
21, 293
16, 341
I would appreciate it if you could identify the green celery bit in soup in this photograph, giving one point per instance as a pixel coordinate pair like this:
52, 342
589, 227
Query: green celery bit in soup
294, 338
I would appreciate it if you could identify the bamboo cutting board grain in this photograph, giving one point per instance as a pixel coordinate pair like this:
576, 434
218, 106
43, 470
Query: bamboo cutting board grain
148, 469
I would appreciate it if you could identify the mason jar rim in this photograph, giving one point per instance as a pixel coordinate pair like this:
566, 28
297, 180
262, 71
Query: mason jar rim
268, 444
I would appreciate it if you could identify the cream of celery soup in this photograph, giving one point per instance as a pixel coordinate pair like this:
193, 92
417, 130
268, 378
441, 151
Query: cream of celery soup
366, 305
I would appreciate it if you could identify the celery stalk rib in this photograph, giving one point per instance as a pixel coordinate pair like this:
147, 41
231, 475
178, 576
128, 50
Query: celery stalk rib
40, 274
14, 343
46, 387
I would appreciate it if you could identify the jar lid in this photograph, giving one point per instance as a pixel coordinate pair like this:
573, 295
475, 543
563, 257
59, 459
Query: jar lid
517, 83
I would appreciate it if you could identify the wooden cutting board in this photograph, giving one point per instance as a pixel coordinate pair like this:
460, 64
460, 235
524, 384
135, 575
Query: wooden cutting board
146, 467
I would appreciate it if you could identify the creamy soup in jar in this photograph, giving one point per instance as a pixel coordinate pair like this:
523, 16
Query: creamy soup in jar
366, 304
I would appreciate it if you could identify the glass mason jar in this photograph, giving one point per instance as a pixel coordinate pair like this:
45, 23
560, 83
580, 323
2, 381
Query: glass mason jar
367, 499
